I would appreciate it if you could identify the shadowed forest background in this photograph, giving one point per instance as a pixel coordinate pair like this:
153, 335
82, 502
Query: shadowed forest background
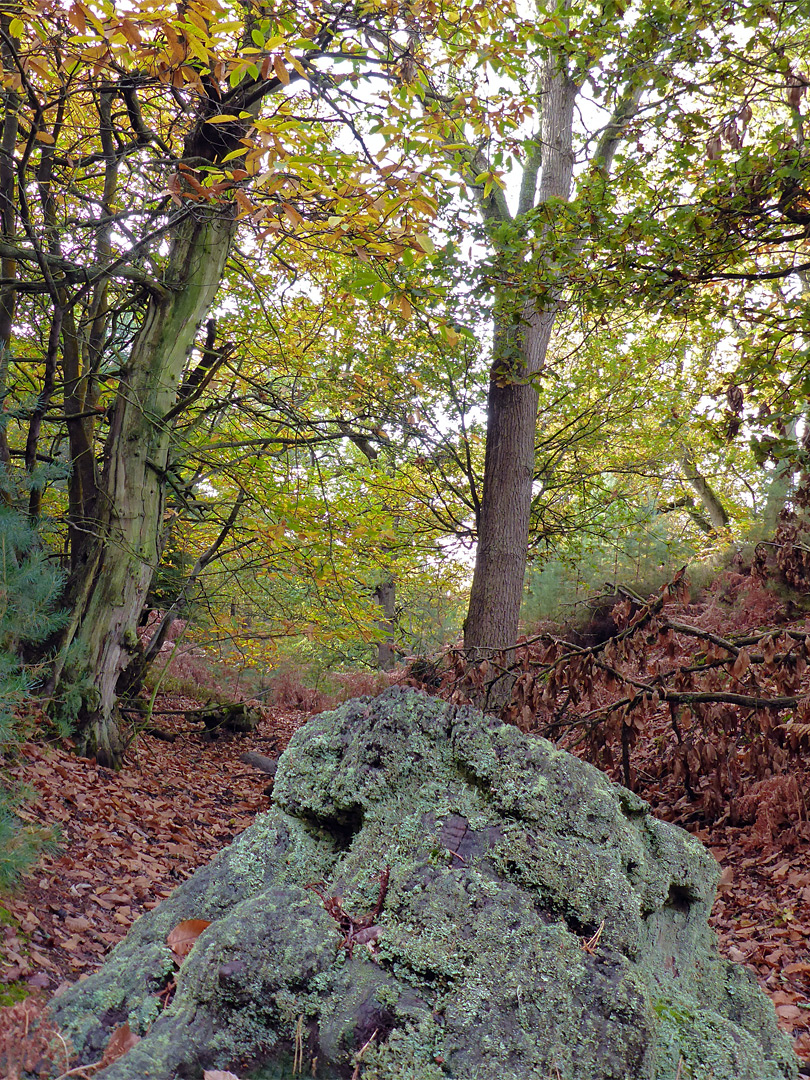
463, 345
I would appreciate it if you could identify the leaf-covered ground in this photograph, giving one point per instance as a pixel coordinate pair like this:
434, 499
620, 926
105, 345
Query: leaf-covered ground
128, 839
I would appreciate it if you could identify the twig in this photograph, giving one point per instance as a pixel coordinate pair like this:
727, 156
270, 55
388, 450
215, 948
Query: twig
298, 1057
591, 944
79, 1069
358, 1057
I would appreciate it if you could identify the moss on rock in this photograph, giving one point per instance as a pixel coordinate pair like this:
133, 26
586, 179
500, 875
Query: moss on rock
506, 856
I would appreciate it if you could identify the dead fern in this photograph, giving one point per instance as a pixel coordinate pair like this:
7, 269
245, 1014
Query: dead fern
30, 1042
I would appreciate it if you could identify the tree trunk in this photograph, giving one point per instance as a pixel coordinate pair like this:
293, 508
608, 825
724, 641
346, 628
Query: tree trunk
521, 339
385, 594
705, 492
503, 531
110, 585
8, 226
522, 334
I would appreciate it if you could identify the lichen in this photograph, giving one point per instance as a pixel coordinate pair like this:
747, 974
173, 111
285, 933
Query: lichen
537, 922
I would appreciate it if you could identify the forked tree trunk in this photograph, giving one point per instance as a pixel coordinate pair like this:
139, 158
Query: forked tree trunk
109, 587
709, 498
522, 334
523, 327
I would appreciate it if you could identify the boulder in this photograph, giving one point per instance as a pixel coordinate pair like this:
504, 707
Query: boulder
434, 895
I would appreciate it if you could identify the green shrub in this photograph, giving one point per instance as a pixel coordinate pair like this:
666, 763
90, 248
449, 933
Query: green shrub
29, 592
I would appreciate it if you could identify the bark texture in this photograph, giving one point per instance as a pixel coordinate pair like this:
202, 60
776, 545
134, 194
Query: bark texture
523, 326
386, 596
110, 585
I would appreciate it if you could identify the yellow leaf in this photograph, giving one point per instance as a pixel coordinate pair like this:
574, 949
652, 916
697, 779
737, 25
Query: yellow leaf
45, 137
97, 24
296, 63
223, 118
451, 336
425, 243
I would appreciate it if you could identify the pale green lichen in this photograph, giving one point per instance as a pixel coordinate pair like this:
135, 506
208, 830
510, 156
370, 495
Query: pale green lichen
505, 856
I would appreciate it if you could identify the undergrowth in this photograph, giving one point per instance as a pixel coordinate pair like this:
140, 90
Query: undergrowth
29, 592
710, 696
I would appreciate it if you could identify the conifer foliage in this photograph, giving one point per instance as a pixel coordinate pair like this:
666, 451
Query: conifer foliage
29, 592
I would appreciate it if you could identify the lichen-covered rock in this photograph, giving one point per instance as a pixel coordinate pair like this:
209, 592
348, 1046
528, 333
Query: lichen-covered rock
538, 922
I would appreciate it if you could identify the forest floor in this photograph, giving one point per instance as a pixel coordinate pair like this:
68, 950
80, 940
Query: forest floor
127, 839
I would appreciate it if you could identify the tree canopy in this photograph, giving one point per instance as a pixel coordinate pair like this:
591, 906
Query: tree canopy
284, 291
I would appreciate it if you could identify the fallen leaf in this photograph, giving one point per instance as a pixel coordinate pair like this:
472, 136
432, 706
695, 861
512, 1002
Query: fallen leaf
76, 925
121, 1041
789, 1012
181, 940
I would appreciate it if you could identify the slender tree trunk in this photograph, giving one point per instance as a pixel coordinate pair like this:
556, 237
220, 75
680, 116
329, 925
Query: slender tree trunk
8, 226
110, 585
709, 498
503, 533
385, 594
522, 334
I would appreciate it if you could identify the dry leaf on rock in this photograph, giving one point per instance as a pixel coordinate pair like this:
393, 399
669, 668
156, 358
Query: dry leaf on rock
121, 1042
181, 940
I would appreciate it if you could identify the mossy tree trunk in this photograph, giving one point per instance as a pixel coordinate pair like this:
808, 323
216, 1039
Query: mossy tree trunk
710, 500
109, 586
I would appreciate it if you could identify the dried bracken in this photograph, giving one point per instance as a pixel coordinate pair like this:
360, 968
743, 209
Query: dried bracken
357, 931
723, 698
30, 1042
